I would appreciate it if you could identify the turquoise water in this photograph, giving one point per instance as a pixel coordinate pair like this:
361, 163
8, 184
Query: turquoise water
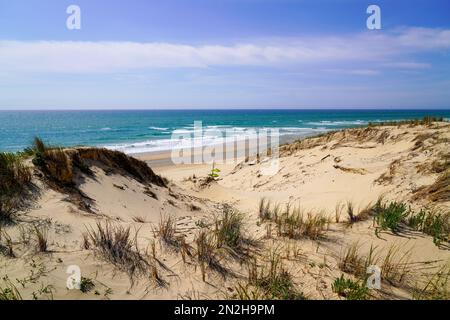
150, 130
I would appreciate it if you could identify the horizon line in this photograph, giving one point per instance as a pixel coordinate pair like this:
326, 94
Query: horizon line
236, 108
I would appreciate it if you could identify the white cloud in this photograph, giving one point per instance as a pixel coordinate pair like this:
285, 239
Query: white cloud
102, 57
407, 65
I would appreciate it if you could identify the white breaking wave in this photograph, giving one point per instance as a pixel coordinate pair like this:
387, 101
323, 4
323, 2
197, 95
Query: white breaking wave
339, 123
158, 128
207, 137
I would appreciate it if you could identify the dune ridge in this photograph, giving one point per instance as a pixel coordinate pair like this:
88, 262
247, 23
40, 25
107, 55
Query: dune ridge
339, 203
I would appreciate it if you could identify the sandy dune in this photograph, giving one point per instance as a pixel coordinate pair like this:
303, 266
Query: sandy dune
320, 175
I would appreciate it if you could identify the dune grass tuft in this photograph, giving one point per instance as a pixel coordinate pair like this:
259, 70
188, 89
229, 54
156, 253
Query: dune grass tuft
166, 231
227, 239
439, 191
271, 281
229, 229
395, 265
41, 235
435, 287
293, 222
116, 245
207, 251
15, 178
433, 223
296, 224
10, 291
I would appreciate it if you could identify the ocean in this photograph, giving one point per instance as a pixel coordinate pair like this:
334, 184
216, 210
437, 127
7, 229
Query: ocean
138, 131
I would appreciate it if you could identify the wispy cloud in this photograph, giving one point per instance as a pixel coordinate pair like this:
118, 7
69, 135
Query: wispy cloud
388, 49
407, 65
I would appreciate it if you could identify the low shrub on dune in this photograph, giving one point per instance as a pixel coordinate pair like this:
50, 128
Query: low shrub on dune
15, 178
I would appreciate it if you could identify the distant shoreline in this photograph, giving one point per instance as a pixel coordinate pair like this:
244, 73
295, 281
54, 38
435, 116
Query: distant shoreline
142, 131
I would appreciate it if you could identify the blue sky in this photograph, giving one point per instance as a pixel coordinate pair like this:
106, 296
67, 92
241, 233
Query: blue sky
224, 54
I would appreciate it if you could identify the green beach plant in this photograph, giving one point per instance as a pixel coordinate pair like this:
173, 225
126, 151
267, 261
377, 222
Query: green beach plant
389, 217
433, 223
350, 290
214, 173
9, 291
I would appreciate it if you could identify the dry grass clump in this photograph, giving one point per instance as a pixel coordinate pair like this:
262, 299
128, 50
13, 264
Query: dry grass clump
362, 214
41, 236
439, 165
226, 239
362, 134
388, 176
267, 212
352, 263
138, 219
351, 170
166, 231
208, 253
297, 225
394, 265
116, 245
435, 287
422, 138
59, 164
6, 244
15, 179
60, 167
270, 281
293, 222
438, 191
122, 163
229, 229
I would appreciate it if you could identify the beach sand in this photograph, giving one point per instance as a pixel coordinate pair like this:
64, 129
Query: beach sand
320, 176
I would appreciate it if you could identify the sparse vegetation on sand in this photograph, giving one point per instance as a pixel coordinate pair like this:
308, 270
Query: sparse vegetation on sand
363, 214
425, 121
394, 263
350, 290
6, 244
116, 245
392, 216
86, 285
227, 238
9, 291
41, 236
289, 252
389, 217
15, 179
374, 131
207, 253
270, 281
294, 223
229, 229
435, 286
439, 191
59, 164
166, 231
434, 223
